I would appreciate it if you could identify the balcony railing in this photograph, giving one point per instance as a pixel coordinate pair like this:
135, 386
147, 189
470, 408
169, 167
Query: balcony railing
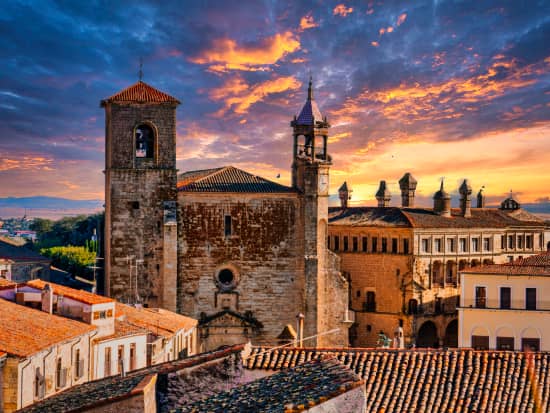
493, 304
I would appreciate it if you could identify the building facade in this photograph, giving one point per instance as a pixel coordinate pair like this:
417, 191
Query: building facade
403, 262
506, 307
241, 253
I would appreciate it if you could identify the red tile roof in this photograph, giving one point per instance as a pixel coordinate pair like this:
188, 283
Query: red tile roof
7, 283
459, 381
156, 320
123, 329
140, 92
533, 265
25, 331
78, 295
228, 179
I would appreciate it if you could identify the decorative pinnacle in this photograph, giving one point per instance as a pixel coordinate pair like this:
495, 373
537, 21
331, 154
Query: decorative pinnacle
310, 88
140, 73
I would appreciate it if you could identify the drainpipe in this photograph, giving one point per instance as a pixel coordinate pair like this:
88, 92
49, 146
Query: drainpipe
91, 356
72, 359
21, 386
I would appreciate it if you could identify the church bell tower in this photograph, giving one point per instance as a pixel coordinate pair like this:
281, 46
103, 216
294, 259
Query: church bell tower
310, 176
140, 196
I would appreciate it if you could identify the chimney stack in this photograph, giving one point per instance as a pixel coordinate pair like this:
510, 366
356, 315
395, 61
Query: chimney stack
408, 187
465, 199
481, 198
47, 299
442, 202
383, 195
344, 195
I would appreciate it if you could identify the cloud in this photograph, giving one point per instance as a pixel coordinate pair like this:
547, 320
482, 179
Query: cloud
375, 44
225, 54
342, 10
238, 96
401, 19
307, 22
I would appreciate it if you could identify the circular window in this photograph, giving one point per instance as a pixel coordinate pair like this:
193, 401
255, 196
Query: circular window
226, 277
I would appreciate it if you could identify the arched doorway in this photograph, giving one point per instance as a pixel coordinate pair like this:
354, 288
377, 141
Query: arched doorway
451, 334
427, 335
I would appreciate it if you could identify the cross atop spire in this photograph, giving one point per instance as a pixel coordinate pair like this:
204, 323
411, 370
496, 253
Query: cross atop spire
140, 73
310, 88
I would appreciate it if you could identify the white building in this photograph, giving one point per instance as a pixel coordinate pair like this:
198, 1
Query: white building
506, 306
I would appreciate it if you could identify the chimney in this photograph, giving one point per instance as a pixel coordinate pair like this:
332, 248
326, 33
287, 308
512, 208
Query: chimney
442, 202
344, 195
465, 191
47, 299
481, 198
383, 195
408, 187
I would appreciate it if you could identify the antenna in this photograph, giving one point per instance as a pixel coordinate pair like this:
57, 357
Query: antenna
140, 73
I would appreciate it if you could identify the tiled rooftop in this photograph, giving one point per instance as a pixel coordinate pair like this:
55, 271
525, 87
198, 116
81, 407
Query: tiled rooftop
7, 283
432, 380
158, 321
25, 331
140, 92
78, 295
533, 265
426, 218
101, 391
227, 179
293, 390
123, 329
17, 253
91, 394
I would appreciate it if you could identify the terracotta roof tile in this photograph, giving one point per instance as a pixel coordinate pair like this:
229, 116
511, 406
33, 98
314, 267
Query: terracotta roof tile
25, 331
426, 218
78, 295
140, 92
123, 329
458, 381
294, 390
7, 283
533, 265
228, 179
156, 320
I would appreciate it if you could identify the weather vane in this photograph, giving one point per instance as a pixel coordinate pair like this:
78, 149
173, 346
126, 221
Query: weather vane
140, 74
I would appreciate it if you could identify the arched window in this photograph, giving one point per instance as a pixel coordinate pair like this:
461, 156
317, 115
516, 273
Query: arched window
145, 142
370, 303
413, 306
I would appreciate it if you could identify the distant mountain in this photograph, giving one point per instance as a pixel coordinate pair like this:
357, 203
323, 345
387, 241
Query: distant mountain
48, 202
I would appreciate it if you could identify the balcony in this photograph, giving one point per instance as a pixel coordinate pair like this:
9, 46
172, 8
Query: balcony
516, 305
349, 317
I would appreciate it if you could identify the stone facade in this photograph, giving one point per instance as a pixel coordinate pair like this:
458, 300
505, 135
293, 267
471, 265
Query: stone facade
403, 262
243, 254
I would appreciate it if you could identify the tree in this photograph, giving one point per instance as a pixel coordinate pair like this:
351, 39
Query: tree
74, 259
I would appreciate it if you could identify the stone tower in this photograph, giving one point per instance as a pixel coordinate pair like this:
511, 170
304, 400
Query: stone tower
140, 196
442, 202
310, 176
383, 195
407, 184
465, 199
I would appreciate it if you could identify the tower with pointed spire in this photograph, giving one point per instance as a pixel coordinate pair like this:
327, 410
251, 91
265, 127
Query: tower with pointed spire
442, 202
310, 176
383, 195
465, 199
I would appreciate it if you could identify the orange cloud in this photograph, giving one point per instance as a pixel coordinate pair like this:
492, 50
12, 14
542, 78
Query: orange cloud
34, 163
342, 10
307, 22
401, 19
389, 29
238, 96
410, 103
226, 54
382, 31
375, 44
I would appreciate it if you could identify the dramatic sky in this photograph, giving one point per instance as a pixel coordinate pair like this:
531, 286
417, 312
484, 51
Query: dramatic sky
454, 89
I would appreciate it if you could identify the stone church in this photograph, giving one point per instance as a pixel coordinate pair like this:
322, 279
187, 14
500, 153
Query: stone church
246, 256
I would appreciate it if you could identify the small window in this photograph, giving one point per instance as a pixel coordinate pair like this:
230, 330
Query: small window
481, 297
486, 244
355, 244
413, 306
505, 343
374, 244
405, 246
530, 298
480, 342
502, 242
530, 344
132, 356
145, 141
505, 297
510, 241
226, 277
528, 241
437, 245
394, 244
107, 362
384, 245
462, 245
227, 226
425, 245
370, 303
135, 205
345, 243
520, 241
121, 359
336, 243
475, 244
450, 244
364, 244
358, 294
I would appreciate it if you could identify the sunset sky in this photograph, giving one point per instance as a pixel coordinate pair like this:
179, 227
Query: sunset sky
436, 88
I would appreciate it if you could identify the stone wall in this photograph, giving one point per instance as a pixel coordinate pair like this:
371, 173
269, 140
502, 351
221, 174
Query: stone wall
264, 252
